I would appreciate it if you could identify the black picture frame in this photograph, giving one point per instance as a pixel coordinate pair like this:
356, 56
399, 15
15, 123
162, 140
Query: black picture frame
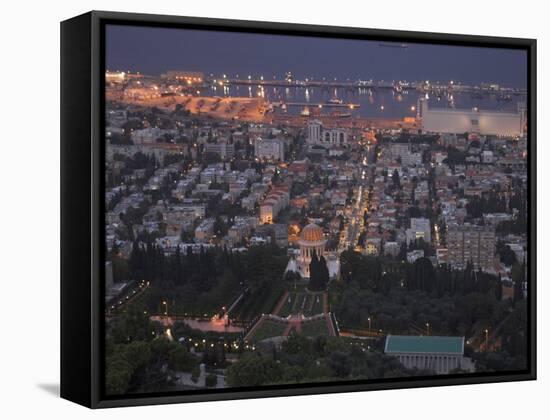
82, 204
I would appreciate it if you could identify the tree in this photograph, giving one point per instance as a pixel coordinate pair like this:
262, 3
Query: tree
118, 374
395, 180
220, 227
518, 277
340, 363
254, 370
180, 359
507, 256
313, 272
498, 288
122, 364
318, 273
324, 275
195, 374
211, 380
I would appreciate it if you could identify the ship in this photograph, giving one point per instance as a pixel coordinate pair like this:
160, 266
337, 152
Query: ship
337, 114
393, 45
504, 98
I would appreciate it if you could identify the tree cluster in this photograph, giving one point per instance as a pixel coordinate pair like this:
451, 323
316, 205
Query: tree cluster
318, 273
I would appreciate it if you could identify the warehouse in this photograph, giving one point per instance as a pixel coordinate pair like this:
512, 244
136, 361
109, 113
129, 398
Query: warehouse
458, 121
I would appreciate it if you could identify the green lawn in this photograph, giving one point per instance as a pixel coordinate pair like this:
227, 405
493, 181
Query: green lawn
315, 328
297, 302
286, 309
317, 307
268, 329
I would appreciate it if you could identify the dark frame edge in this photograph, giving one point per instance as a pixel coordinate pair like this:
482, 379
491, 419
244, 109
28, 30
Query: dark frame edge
315, 29
76, 168
332, 388
532, 196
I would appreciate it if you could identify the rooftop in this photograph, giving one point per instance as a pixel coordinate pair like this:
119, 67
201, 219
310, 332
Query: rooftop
312, 233
423, 344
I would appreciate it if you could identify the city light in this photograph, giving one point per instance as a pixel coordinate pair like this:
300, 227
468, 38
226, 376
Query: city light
270, 209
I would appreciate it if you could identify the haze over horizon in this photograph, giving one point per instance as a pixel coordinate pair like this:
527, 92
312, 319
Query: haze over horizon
155, 50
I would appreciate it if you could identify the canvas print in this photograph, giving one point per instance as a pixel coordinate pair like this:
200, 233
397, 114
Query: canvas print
285, 210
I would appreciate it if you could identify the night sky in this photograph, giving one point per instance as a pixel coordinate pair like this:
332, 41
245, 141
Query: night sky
155, 50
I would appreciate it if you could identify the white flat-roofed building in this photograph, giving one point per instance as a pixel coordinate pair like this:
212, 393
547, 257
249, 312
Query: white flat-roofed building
223, 149
458, 121
150, 135
420, 229
269, 149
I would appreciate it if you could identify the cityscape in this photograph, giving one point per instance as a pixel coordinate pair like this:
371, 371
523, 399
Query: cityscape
271, 221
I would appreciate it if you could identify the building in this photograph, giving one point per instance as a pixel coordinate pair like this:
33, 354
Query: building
223, 149
373, 245
314, 132
277, 232
274, 202
459, 121
191, 206
392, 249
415, 254
440, 354
169, 244
403, 152
150, 135
299, 168
312, 240
420, 229
269, 149
204, 232
470, 243
442, 256
317, 135
115, 76
189, 77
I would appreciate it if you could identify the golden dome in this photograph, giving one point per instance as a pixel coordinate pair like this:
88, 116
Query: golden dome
312, 233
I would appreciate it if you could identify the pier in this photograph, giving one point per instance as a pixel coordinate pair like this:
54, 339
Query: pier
371, 84
318, 104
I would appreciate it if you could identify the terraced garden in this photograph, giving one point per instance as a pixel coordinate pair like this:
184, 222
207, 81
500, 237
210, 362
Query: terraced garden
315, 328
269, 329
302, 302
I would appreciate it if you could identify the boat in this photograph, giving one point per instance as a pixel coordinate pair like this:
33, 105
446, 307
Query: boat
335, 101
504, 98
393, 45
337, 114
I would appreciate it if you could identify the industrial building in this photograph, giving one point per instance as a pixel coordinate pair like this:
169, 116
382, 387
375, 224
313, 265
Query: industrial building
458, 121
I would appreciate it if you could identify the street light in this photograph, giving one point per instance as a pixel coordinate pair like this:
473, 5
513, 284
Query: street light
427, 328
165, 307
370, 320
486, 339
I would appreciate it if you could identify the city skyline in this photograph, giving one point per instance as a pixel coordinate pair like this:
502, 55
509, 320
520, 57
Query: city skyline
262, 232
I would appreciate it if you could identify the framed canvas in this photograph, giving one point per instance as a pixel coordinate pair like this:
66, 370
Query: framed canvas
255, 209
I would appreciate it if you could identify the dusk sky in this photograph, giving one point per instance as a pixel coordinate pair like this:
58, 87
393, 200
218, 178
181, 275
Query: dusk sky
155, 50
